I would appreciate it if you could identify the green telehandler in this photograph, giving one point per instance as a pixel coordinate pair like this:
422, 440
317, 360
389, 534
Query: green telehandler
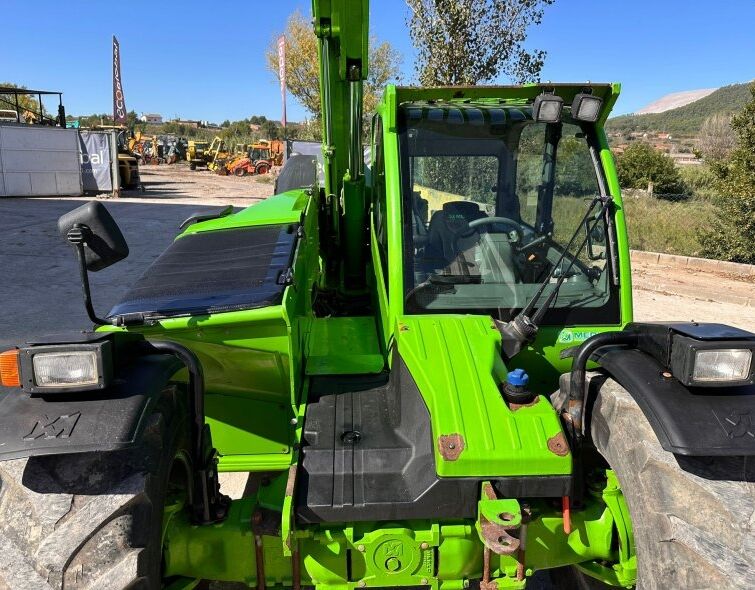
428, 365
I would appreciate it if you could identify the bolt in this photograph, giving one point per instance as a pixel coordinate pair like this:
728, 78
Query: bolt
466, 583
361, 548
362, 583
451, 445
424, 545
423, 581
294, 421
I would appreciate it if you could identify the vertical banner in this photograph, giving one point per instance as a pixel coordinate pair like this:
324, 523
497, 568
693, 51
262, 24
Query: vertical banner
96, 173
119, 102
282, 74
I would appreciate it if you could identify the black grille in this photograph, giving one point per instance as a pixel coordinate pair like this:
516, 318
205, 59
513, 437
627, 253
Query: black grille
214, 271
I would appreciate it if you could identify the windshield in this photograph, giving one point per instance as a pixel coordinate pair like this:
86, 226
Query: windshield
493, 198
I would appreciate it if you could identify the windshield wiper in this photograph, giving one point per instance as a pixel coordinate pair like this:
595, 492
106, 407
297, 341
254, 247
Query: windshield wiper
443, 283
523, 328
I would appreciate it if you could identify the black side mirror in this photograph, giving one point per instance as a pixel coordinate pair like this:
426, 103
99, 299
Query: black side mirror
92, 226
98, 241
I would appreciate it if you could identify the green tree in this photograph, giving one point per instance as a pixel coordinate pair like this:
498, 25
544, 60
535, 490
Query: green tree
641, 164
466, 42
732, 235
26, 102
303, 72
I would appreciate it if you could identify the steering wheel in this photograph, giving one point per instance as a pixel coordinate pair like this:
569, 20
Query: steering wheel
472, 225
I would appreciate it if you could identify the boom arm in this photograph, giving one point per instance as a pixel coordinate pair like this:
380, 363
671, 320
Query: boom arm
342, 28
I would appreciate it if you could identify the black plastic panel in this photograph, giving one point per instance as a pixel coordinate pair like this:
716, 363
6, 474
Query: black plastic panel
104, 420
214, 271
368, 455
694, 421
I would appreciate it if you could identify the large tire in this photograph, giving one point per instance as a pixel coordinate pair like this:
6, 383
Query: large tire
693, 517
91, 520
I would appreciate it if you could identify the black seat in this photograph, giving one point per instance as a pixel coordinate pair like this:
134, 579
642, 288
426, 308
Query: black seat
444, 240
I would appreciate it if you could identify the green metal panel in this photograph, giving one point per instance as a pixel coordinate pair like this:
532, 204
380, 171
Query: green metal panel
456, 362
343, 346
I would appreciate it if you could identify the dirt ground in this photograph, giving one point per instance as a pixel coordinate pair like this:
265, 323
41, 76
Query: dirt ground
661, 291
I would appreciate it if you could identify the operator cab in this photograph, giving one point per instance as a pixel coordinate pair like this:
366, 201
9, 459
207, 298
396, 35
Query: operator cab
493, 197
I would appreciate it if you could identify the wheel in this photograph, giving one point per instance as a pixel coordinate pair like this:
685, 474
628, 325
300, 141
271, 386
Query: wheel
262, 168
192, 165
693, 517
92, 520
241, 171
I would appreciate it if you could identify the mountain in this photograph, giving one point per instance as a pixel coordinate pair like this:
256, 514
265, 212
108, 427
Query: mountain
675, 100
684, 120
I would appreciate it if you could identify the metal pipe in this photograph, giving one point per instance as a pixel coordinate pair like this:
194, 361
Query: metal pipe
577, 398
356, 159
326, 95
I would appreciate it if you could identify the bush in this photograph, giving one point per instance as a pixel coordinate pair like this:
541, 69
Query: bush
642, 164
732, 235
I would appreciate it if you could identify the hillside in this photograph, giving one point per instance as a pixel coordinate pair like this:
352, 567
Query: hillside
675, 100
685, 120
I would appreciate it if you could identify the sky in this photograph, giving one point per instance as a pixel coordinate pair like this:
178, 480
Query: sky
198, 60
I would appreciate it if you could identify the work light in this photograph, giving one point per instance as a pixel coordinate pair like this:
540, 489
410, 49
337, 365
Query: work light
586, 107
717, 365
547, 108
714, 362
66, 368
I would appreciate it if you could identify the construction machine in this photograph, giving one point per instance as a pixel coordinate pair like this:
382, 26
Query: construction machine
428, 368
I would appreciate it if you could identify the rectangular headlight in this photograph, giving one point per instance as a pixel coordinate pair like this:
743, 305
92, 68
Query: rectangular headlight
65, 369
547, 108
722, 365
586, 107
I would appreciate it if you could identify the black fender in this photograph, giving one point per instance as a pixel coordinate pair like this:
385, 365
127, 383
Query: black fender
686, 421
105, 420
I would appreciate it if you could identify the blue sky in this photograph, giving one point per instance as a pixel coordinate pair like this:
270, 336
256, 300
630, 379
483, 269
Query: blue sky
197, 60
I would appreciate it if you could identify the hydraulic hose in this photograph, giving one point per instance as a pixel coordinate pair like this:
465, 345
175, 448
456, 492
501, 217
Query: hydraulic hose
577, 396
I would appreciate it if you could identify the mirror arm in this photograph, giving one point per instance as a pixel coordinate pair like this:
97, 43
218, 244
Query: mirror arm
78, 236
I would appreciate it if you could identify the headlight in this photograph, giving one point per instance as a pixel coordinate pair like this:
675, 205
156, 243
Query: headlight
547, 108
586, 107
65, 369
727, 364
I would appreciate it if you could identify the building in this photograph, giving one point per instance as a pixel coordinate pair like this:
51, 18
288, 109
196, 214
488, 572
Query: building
153, 118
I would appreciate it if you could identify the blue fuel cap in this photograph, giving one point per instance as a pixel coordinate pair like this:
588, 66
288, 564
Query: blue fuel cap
518, 378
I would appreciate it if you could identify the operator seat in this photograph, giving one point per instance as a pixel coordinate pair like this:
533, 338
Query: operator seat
443, 234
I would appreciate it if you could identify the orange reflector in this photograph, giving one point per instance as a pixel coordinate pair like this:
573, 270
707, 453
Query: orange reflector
9, 374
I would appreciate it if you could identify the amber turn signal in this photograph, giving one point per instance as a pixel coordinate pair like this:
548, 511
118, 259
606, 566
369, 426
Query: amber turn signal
9, 373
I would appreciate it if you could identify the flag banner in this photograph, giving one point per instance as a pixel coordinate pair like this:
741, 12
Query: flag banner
282, 74
119, 102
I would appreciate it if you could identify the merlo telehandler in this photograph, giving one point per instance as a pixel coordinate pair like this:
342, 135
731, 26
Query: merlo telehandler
429, 365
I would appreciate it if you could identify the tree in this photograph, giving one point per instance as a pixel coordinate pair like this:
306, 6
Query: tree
641, 164
26, 102
732, 235
303, 72
716, 139
465, 42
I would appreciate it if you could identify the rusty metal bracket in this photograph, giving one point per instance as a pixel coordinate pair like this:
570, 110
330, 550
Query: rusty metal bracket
450, 446
264, 523
497, 519
558, 445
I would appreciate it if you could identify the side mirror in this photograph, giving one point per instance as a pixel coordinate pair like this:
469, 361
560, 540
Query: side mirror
596, 240
92, 228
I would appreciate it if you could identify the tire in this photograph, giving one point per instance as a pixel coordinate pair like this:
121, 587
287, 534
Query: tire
693, 517
192, 165
92, 520
240, 171
262, 169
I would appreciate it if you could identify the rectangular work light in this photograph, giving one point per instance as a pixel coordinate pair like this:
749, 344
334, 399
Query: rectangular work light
710, 363
586, 107
547, 108
66, 368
